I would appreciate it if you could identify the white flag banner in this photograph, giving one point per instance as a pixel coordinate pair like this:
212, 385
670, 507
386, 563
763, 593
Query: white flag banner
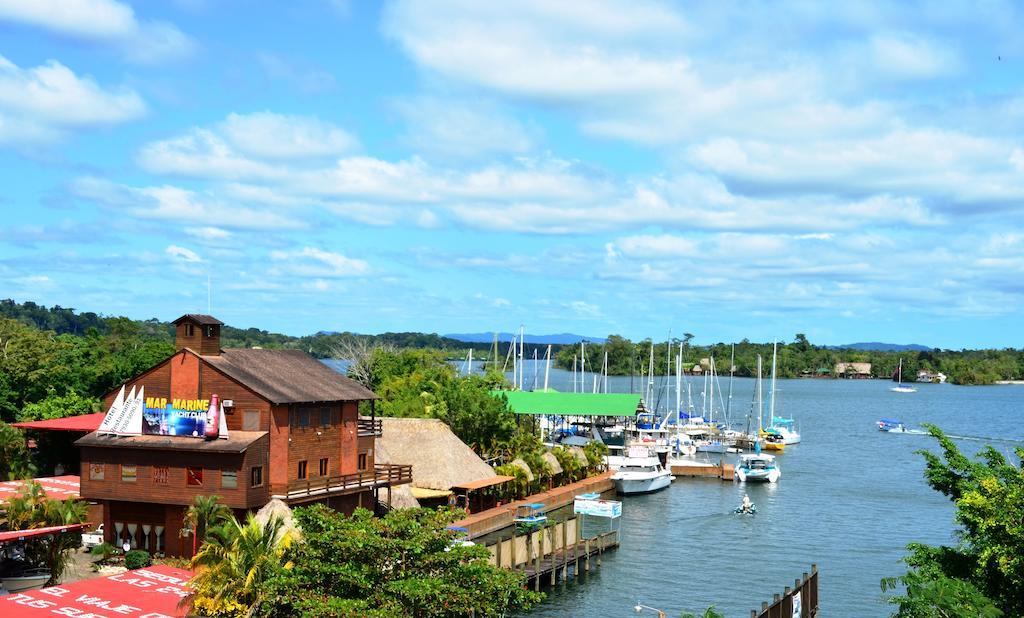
108, 421
129, 411
222, 428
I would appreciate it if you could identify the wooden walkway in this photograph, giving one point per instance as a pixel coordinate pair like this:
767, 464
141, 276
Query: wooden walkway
563, 563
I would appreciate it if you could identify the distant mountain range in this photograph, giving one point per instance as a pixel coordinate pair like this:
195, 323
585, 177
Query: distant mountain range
877, 346
557, 339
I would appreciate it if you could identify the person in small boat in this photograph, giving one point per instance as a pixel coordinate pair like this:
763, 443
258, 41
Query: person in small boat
747, 505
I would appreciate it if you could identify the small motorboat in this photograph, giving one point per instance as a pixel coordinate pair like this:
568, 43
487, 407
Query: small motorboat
891, 425
757, 467
746, 507
530, 516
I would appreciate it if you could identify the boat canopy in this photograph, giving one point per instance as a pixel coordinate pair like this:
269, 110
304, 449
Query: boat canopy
891, 421
571, 404
778, 420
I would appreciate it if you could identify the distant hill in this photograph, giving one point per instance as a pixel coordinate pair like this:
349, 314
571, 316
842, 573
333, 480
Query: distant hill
877, 346
556, 339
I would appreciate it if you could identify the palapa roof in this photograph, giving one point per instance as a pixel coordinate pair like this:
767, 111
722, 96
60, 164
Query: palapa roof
287, 376
439, 459
519, 463
552, 461
281, 510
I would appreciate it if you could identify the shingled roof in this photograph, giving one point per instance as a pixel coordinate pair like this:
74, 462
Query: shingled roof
199, 318
287, 376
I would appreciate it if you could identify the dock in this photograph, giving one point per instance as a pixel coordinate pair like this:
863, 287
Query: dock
553, 553
721, 470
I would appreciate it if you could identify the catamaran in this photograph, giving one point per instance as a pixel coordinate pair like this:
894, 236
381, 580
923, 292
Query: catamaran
899, 378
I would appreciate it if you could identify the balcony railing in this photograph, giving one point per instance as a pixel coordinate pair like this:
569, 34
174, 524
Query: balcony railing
370, 427
383, 475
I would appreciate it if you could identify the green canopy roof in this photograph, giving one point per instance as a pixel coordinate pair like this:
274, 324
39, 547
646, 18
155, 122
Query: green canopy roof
571, 404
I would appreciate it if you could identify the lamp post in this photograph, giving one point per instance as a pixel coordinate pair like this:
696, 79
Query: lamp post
639, 608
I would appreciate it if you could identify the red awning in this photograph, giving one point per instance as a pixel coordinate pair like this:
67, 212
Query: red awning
86, 423
151, 592
56, 487
20, 535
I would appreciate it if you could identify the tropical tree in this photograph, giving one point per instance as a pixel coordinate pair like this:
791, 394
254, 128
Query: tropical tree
204, 514
984, 574
404, 564
32, 509
235, 564
15, 460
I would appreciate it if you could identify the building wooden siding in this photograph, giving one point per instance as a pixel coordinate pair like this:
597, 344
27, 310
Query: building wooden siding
176, 490
198, 341
337, 443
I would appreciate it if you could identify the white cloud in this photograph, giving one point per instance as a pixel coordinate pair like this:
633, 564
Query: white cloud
463, 129
278, 136
310, 261
41, 104
909, 56
208, 233
104, 21
182, 254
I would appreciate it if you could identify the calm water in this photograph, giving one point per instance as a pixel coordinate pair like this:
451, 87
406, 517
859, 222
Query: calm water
850, 499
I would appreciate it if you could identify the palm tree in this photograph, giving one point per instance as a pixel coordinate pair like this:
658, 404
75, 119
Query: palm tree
32, 509
237, 560
206, 512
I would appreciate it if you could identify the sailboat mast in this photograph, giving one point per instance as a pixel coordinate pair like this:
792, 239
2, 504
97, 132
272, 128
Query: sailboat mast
711, 404
574, 373
668, 369
522, 339
650, 377
775, 353
583, 365
606, 371
760, 399
547, 368
535, 369
732, 371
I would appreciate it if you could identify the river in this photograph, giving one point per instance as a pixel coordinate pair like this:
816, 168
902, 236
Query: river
850, 499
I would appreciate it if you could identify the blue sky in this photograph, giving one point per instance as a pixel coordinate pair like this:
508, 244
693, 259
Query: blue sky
853, 171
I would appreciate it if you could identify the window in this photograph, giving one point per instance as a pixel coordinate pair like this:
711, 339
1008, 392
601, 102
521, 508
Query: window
303, 417
302, 469
189, 329
256, 476
336, 417
194, 477
251, 420
96, 471
129, 472
211, 331
362, 461
160, 474
323, 467
325, 417
229, 479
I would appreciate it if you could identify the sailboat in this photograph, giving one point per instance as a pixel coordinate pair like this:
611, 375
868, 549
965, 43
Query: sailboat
899, 377
784, 427
772, 439
758, 466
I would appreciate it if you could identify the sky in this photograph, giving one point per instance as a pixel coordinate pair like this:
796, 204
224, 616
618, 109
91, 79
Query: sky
852, 171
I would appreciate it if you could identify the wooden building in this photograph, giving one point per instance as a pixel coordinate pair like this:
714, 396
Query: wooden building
294, 433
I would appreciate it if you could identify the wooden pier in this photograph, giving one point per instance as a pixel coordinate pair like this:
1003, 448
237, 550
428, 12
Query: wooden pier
721, 470
552, 553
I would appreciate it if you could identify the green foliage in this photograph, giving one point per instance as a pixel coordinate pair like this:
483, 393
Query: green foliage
32, 509
420, 383
984, 573
710, 612
401, 565
105, 550
59, 406
137, 559
204, 514
15, 460
236, 565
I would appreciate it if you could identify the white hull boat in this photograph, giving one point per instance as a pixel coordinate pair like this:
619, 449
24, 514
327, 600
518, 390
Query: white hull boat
640, 474
899, 388
757, 468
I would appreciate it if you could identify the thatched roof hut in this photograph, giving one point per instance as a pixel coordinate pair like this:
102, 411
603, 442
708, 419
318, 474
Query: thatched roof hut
552, 461
581, 456
519, 463
439, 459
281, 510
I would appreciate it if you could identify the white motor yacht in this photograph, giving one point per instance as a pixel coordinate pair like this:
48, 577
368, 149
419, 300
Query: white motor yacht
756, 467
641, 472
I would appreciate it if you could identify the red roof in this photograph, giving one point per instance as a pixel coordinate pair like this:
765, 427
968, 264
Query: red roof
56, 487
85, 423
20, 535
152, 591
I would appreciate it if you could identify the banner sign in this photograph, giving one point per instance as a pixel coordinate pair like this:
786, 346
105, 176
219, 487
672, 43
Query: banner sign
598, 508
176, 417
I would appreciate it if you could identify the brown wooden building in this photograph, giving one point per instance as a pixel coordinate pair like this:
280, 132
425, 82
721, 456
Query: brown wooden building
294, 433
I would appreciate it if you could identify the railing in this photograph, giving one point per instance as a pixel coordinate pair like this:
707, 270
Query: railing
381, 476
370, 427
801, 601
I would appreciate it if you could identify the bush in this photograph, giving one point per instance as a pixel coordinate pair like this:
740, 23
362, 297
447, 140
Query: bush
137, 559
104, 551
